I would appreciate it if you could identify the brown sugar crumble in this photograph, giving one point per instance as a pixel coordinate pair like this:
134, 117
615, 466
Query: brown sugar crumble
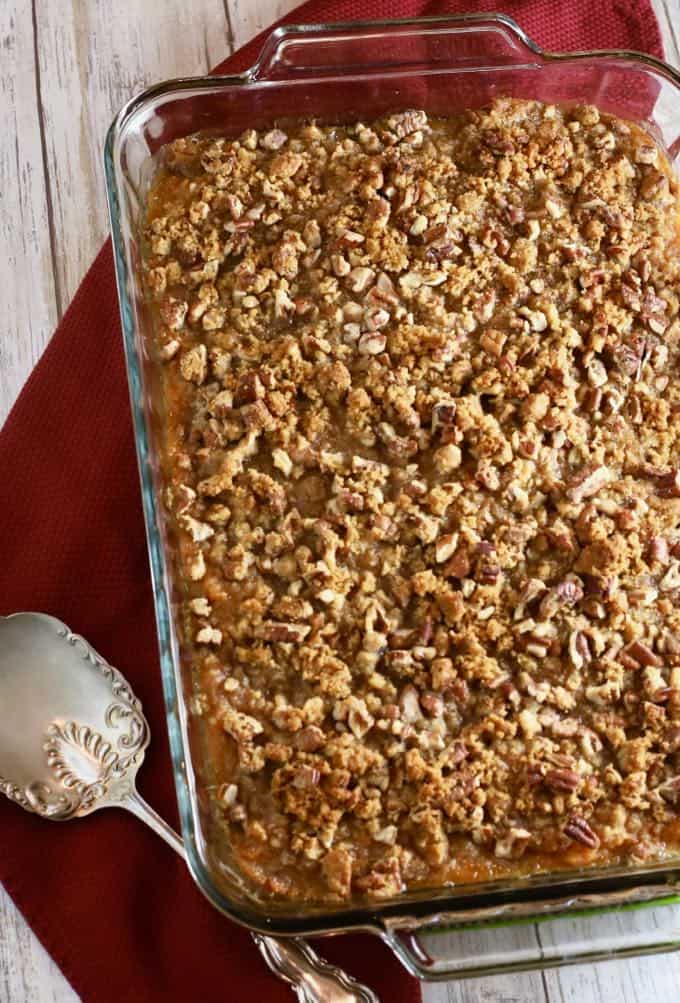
422, 456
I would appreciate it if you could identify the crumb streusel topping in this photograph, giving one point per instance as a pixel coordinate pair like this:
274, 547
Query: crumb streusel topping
423, 463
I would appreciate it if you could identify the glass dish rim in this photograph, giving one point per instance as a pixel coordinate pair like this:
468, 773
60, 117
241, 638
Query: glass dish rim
428, 906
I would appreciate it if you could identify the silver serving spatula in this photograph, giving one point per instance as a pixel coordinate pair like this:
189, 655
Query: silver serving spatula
72, 738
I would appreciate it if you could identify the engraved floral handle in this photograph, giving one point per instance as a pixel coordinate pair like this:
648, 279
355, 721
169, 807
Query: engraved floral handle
312, 979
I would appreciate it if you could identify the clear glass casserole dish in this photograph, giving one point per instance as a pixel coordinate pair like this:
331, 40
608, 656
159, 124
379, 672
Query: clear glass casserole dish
335, 73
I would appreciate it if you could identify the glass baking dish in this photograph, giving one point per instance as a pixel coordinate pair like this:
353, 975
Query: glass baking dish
345, 72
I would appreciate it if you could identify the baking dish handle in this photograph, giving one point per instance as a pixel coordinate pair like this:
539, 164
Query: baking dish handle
436, 954
466, 950
466, 44
303, 51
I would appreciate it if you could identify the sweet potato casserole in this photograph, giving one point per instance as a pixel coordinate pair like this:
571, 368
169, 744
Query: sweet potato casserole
422, 458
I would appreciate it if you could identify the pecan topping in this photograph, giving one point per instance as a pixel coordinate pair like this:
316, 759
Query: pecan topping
420, 402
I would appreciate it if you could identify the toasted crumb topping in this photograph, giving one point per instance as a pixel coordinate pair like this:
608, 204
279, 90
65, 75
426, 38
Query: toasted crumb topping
423, 464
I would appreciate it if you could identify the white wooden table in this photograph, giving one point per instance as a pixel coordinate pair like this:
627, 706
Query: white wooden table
66, 67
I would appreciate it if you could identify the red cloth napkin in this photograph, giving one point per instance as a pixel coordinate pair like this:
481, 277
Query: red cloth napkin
111, 903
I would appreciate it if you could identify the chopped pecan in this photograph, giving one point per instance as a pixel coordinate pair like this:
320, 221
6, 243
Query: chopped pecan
565, 593
642, 654
562, 780
293, 633
578, 829
372, 343
671, 580
359, 278
659, 550
587, 482
409, 703
310, 739
459, 566
670, 790
405, 123
358, 717
274, 139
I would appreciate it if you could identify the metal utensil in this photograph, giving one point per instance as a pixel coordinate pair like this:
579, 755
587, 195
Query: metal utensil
73, 741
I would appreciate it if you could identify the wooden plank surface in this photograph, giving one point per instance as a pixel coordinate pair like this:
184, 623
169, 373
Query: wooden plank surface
30, 308
66, 68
